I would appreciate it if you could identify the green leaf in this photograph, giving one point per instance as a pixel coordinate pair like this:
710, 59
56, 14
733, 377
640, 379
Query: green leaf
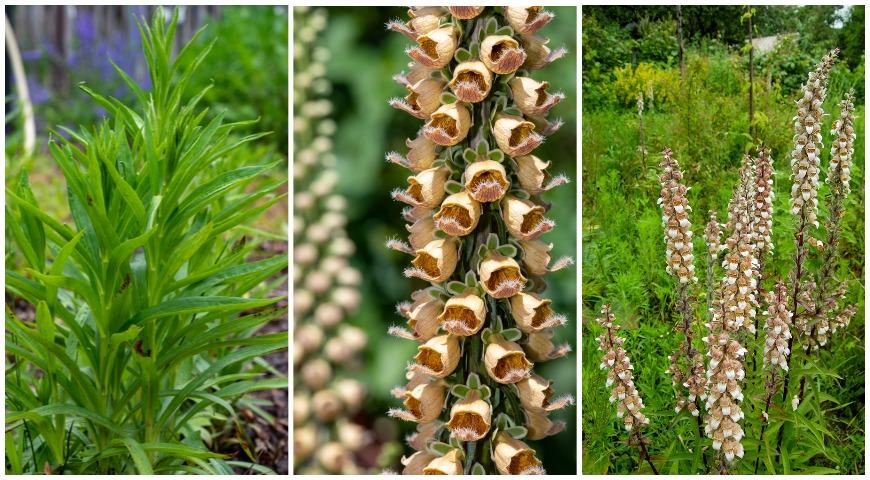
507, 250
485, 392
191, 305
477, 469
473, 381
137, 453
440, 448
492, 242
460, 390
512, 334
447, 98
44, 322
482, 148
470, 279
496, 155
491, 26
518, 432
452, 186
469, 155
462, 55
506, 30
456, 288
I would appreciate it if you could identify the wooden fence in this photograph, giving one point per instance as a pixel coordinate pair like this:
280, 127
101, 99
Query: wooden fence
54, 36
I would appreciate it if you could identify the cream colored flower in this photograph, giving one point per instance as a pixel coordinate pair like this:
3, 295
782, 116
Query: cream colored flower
449, 464
423, 319
524, 219
540, 347
448, 125
423, 20
465, 13
536, 256
424, 434
458, 215
486, 180
435, 48
463, 315
533, 313
470, 418
421, 232
540, 426
536, 394
424, 97
500, 276
528, 20
426, 189
415, 464
513, 457
438, 357
435, 262
531, 96
501, 54
505, 361
538, 54
515, 136
471, 81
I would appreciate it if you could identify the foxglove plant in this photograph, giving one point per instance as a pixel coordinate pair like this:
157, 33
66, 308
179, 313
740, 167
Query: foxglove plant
476, 216
326, 347
807, 307
146, 315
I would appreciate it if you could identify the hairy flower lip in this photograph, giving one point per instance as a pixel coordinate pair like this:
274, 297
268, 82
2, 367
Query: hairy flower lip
459, 214
449, 464
435, 262
515, 136
470, 418
426, 189
506, 361
500, 276
486, 180
471, 81
524, 219
465, 13
448, 125
423, 99
438, 357
435, 48
463, 315
538, 54
531, 96
415, 464
502, 54
539, 426
533, 314
514, 457
528, 20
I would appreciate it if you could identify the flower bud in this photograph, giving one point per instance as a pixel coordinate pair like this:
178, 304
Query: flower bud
536, 256
304, 441
536, 394
528, 20
423, 319
435, 262
424, 400
436, 48
424, 97
470, 418
540, 348
486, 180
328, 315
505, 361
421, 154
513, 457
327, 405
308, 337
463, 315
351, 392
333, 457
423, 20
450, 464
501, 276
458, 215
502, 54
438, 357
351, 436
316, 373
465, 13
515, 136
531, 171
448, 125
471, 81
301, 409
524, 219
531, 96
533, 314
415, 464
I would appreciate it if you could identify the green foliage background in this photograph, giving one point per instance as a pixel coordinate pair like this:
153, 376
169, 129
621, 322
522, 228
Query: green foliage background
364, 58
706, 123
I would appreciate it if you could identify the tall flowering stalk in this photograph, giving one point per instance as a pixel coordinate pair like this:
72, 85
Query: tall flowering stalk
620, 377
805, 165
687, 364
326, 396
476, 216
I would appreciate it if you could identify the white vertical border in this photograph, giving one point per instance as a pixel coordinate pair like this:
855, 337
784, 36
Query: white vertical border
578, 318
